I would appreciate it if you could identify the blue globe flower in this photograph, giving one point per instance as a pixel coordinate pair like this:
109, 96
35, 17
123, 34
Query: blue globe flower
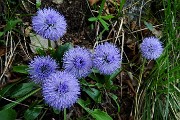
49, 23
41, 67
61, 90
78, 61
151, 48
106, 58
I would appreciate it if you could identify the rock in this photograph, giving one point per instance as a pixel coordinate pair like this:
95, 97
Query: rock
38, 42
57, 1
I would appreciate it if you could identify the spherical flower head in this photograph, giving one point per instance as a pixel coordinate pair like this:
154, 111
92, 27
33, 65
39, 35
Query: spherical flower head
151, 48
49, 23
61, 90
41, 67
78, 61
106, 58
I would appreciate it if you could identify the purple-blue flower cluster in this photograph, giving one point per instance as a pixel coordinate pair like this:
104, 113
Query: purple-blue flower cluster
106, 58
49, 23
78, 61
61, 90
41, 67
151, 48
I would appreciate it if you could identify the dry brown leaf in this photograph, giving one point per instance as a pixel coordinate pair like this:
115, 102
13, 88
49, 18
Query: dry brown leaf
2, 51
157, 33
133, 25
28, 30
132, 46
92, 2
106, 8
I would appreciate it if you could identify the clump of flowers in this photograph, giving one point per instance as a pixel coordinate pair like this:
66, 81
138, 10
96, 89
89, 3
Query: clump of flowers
49, 23
151, 48
41, 67
106, 58
61, 90
78, 61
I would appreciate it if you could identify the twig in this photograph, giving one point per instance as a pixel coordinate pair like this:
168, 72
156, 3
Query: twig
8, 61
14, 101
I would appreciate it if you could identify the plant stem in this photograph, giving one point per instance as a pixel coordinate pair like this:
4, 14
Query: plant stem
137, 91
64, 113
49, 44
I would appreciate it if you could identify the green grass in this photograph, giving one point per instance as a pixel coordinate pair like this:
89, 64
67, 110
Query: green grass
161, 99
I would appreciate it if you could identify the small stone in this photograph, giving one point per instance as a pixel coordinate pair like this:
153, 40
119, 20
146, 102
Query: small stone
57, 1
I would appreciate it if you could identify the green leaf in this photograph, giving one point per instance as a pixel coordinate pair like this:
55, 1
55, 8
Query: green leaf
95, 70
9, 114
20, 69
100, 115
107, 17
60, 52
13, 104
1, 34
99, 85
85, 83
97, 114
104, 23
6, 89
94, 94
114, 87
83, 104
113, 76
121, 6
93, 19
95, 75
11, 24
149, 25
56, 111
2, 42
32, 113
38, 4
40, 51
114, 97
22, 89
101, 7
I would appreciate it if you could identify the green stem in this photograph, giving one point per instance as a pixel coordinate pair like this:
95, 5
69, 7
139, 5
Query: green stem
49, 44
141, 74
64, 113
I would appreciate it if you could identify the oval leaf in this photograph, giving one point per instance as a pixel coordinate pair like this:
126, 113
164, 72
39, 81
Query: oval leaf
20, 69
107, 17
94, 94
100, 115
58, 55
93, 19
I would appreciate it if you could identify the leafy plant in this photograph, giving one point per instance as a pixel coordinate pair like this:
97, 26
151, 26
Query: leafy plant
102, 19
